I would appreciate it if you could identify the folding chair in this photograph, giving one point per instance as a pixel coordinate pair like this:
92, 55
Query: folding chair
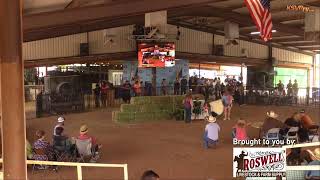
60, 148
293, 134
313, 133
273, 134
84, 149
39, 154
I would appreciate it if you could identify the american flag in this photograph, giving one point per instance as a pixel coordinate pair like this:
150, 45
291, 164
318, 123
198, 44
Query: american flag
260, 13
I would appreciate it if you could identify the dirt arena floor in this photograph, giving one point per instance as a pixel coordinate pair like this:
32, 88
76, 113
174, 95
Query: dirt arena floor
171, 148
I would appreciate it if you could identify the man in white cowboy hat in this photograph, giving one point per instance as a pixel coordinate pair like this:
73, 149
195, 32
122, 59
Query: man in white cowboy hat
270, 122
211, 135
59, 124
315, 156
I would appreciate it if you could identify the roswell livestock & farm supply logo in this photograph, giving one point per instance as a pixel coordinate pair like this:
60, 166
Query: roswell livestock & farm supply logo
259, 162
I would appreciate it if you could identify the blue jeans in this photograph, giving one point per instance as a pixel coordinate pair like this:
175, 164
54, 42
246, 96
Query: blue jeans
207, 141
187, 112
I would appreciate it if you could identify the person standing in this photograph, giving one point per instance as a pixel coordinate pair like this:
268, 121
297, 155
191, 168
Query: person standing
289, 88
176, 87
96, 92
188, 104
39, 109
164, 87
184, 85
218, 89
59, 124
227, 100
280, 87
137, 88
104, 91
147, 89
126, 94
211, 133
295, 88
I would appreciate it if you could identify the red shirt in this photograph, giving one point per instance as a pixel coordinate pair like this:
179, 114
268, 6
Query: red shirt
104, 89
306, 121
86, 136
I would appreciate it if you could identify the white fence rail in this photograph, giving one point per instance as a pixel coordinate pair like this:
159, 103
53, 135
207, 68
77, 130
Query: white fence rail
79, 166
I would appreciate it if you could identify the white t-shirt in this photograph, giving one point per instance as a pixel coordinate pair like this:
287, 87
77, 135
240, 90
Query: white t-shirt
213, 131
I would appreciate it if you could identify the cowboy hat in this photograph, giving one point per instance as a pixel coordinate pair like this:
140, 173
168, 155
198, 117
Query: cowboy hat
315, 154
83, 129
216, 107
212, 119
61, 119
272, 114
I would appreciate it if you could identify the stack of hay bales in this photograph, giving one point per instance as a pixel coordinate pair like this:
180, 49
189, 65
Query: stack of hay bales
148, 108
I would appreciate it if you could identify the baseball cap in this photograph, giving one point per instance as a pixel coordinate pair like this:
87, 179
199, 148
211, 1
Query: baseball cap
61, 119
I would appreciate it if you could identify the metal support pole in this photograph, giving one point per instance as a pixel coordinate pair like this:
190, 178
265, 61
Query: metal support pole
12, 91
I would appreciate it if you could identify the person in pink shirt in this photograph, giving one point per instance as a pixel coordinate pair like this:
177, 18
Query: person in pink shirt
239, 130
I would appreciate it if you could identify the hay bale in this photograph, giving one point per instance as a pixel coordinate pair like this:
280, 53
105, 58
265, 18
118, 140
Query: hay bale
125, 117
130, 108
144, 116
163, 115
141, 100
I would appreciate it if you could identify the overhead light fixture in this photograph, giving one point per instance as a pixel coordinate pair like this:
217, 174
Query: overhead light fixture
254, 33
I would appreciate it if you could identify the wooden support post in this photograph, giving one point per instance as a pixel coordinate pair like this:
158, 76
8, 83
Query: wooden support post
12, 91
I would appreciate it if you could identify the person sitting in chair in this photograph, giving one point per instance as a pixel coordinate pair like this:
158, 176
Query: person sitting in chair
240, 130
84, 136
305, 119
42, 148
271, 122
294, 121
62, 143
59, 124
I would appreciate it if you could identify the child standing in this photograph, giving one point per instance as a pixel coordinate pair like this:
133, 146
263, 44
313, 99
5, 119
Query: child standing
206, 110
188, 104
197, 108
227, 100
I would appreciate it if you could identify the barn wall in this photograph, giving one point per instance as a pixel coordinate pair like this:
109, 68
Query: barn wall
192, 41
254, 50
64, 46
120, 35
291, 57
